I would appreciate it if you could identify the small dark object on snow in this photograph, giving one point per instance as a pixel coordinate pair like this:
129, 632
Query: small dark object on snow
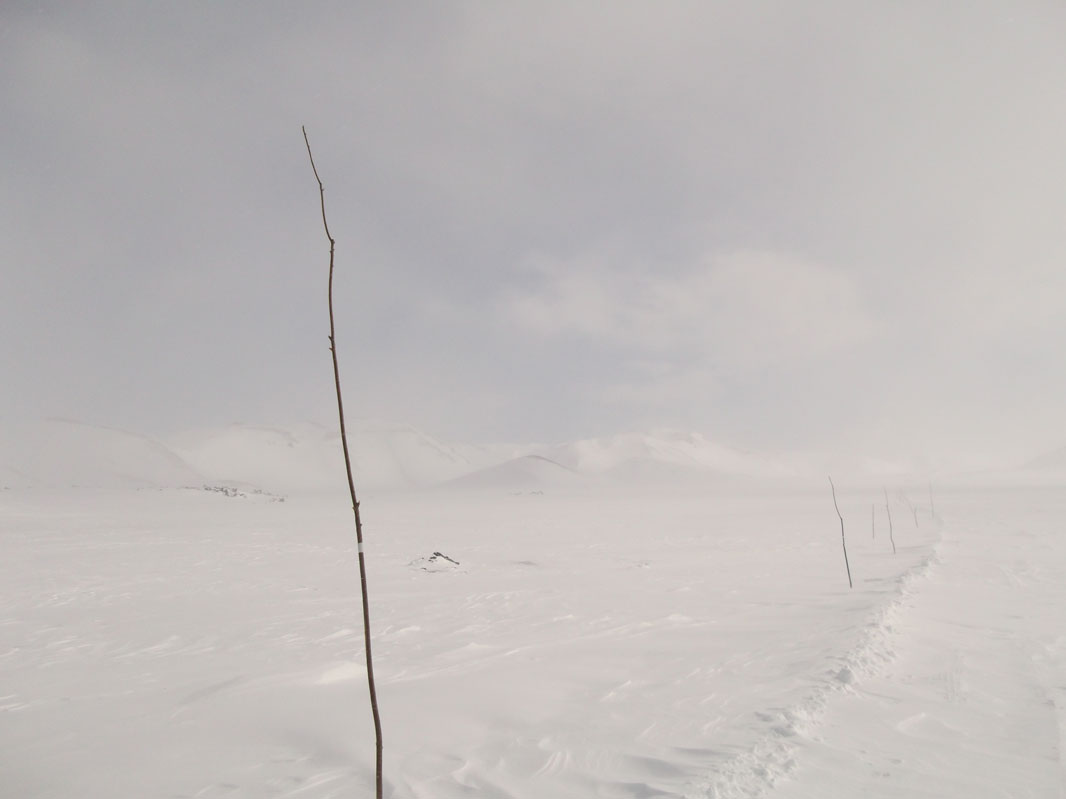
436, 555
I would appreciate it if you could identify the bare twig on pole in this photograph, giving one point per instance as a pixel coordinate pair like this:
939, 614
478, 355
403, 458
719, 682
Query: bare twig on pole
888, 510
842, 541
351, 482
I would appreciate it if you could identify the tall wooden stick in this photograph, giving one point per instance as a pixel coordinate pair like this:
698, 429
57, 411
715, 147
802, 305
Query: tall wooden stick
888, 510
351, 482
842, 541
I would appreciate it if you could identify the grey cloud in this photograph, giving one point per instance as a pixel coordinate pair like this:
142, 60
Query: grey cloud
162, 264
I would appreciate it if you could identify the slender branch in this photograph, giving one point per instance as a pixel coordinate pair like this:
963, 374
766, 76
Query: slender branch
351, 483
842, 541
325, 224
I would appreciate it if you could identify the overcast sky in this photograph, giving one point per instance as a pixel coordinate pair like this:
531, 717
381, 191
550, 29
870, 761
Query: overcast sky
832, 225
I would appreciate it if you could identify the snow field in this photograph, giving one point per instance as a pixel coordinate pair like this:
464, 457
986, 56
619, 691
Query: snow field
609, 643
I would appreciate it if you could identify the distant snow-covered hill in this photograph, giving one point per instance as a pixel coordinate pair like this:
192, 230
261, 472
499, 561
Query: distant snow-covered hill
388, 456
384, 456
64, 454
662, 455
1054, 461
58, 453
524, 473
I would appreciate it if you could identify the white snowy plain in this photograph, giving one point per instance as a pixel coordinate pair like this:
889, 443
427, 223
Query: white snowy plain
590, 642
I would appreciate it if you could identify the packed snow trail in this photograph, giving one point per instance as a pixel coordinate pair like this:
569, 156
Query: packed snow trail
974, 702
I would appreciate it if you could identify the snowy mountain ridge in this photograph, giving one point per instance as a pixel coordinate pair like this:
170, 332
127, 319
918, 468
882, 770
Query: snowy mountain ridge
389, 456
60, 453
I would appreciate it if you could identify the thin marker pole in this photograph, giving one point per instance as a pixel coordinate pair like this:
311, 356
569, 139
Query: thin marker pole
351, 483
842, 541
888, 510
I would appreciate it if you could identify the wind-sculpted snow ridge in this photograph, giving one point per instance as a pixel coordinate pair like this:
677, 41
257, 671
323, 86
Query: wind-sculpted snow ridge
755, 772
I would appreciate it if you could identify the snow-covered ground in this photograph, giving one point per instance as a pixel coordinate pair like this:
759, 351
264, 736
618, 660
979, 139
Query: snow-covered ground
973, 702
638, 616
591, 641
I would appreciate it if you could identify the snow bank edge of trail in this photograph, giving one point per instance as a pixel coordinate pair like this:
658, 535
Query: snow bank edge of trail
773, 756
